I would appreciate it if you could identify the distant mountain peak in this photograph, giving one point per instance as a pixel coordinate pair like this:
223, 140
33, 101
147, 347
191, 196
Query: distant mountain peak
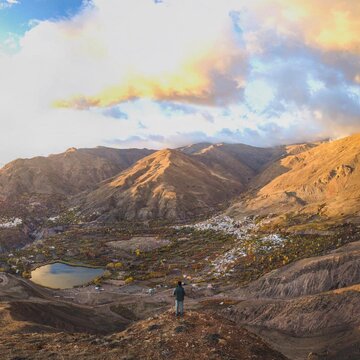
71, 150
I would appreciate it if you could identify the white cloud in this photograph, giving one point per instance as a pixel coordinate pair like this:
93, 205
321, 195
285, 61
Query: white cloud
8, 3
252, 75
258, 95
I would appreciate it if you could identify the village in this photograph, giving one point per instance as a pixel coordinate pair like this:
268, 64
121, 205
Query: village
244, 231
210, 251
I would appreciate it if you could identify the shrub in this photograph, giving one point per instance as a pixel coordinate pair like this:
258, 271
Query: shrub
106, 274
97, 280
26, 274
129, 280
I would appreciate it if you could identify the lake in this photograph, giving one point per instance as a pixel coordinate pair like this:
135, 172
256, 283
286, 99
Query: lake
63, 276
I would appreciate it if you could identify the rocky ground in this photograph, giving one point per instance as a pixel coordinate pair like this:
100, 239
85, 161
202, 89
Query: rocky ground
196, 336
283, 295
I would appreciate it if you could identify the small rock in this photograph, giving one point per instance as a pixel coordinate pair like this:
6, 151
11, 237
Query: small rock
154, 327
180, 329
213, 338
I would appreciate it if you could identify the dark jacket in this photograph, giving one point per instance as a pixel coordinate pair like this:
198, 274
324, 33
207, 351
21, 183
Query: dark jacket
179, 293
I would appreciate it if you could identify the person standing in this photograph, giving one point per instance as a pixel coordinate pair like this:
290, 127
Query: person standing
179, 294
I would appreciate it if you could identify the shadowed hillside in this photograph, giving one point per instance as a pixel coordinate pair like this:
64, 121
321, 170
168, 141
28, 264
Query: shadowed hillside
66, 173
243, 161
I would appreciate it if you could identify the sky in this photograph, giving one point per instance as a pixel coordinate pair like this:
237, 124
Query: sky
167, 73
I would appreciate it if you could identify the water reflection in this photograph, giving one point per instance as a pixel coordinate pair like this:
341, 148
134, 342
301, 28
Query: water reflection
63, 276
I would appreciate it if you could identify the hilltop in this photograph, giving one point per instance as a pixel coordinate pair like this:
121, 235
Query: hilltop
199, 336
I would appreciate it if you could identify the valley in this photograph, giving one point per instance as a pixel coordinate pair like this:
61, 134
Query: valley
268, 275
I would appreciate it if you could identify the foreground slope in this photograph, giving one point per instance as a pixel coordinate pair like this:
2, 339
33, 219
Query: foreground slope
338, 269
67, 173
324, 324
165, 185
309, 306
41, 326
199, 336
324, 180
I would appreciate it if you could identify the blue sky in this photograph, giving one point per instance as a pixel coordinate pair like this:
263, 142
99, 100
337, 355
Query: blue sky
145, 73
17, 17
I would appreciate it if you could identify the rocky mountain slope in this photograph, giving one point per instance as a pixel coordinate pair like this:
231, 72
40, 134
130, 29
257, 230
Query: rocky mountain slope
308, 306
223, 169
167, 184
324, 325
241, 161
320, 179
323, 181
338, 269
67, 173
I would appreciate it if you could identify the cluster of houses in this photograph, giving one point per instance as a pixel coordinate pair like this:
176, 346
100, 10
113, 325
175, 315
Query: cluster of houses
10, 223
225, 224
224, 264
243, 230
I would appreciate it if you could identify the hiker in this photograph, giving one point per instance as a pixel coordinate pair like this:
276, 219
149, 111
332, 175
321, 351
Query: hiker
179, 294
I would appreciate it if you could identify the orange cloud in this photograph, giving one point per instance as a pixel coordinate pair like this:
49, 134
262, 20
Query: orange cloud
164, 51
188, 82
331, 25
177, 50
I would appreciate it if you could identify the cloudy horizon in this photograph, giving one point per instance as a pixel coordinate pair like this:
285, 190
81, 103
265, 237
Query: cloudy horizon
167, 73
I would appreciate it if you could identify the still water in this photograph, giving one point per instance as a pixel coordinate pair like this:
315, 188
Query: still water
63, 276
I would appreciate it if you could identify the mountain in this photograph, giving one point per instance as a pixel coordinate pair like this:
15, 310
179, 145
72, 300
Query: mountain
67, 173
77, 170
273, 169
240, 161
167, 184
310, 178
323, 180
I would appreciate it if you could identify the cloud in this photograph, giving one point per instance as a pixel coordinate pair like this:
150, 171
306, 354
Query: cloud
330, 25
202, 56
156, 74
157, 51
115, 112
4, 4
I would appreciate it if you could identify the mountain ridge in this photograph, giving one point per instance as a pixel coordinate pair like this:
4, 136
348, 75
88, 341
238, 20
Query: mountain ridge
293, 178
323, 181
66, 173
166, 184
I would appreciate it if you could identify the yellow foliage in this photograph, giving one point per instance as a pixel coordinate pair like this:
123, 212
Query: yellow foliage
129, 280
285, 260
97, 281
106, 274
26, 274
